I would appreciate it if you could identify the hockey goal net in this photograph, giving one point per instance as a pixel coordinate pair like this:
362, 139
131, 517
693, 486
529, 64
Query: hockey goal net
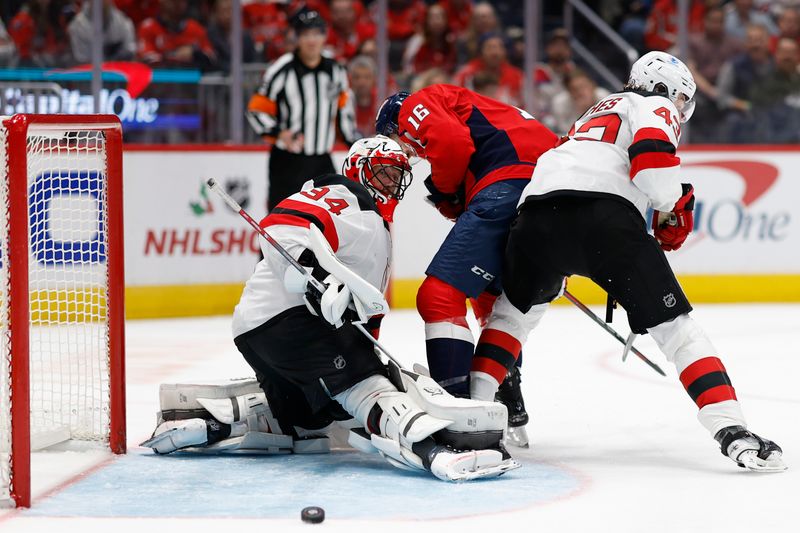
61, 289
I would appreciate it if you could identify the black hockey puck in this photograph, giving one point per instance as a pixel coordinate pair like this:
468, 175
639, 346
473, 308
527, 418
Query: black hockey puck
312, 515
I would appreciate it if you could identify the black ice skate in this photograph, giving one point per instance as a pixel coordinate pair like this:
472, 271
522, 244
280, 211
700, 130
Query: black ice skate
510, 395
749, 450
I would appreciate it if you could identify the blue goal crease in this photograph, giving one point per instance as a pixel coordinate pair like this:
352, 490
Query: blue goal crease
145, 485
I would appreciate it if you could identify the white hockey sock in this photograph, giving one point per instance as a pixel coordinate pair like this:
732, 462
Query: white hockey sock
482, 386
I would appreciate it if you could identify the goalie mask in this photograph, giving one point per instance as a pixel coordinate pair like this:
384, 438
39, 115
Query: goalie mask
664, 74
379, 164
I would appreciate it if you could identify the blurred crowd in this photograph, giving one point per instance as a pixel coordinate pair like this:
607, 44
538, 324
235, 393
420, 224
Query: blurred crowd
744, 53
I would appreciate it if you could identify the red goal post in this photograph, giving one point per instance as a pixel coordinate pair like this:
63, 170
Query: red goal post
62, 369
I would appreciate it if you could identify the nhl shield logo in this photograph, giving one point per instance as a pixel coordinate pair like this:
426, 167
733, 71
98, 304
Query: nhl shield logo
669, 300
339, 362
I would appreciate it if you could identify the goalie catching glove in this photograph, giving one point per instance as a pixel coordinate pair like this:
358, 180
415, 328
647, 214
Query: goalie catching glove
671, 234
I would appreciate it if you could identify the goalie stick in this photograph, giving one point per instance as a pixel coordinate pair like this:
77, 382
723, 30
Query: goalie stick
613, 333
311, 280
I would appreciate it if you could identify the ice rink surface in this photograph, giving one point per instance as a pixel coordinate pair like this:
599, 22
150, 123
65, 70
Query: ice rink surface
615, 447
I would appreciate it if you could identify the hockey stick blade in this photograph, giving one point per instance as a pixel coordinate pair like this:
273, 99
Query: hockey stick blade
588, 312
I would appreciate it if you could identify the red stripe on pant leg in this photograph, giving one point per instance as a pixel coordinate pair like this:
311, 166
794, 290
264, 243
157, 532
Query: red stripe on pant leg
489, 366
716, 395
501, 339
699, 368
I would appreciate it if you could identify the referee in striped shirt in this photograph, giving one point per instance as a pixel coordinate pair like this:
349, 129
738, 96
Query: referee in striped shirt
303, 100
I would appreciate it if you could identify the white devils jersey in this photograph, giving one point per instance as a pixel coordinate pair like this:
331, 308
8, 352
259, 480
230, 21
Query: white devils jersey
624, 145
346, 214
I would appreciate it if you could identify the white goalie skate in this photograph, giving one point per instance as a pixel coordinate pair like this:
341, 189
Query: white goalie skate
750, 451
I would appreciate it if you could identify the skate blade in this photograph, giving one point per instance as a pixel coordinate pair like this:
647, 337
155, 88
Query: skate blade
774, 463
517, 436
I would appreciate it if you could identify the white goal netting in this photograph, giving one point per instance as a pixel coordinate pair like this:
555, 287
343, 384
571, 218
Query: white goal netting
67, 223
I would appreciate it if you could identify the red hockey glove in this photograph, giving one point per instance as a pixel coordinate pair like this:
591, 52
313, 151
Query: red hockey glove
672, 234
449, 210
450, 205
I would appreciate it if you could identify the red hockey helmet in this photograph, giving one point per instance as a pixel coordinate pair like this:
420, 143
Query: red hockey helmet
379, 164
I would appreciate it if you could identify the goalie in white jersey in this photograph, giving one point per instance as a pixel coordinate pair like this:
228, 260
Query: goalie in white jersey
312, 365
584, 213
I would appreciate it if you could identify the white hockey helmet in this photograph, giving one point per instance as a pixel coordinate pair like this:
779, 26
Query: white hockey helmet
665, 74
379, 164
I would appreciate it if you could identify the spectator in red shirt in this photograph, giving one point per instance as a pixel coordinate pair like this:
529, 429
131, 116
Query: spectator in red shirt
39, 31
788, 27
493, 62
405, 19
484, 20
459, 14
268, 24
363, 83
172, 39
137, 10
661, 30
346, 31
434, 47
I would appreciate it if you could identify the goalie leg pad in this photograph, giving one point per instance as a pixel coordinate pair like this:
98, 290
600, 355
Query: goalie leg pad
392, 418
178, 434
385, 411
468, 416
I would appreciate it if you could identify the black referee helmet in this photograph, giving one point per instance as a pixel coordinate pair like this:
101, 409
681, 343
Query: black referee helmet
308, 19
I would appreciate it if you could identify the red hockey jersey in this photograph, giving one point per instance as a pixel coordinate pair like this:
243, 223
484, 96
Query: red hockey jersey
471, 141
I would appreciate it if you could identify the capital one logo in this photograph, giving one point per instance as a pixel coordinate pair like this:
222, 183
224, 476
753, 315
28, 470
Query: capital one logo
125, 103
728, 218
